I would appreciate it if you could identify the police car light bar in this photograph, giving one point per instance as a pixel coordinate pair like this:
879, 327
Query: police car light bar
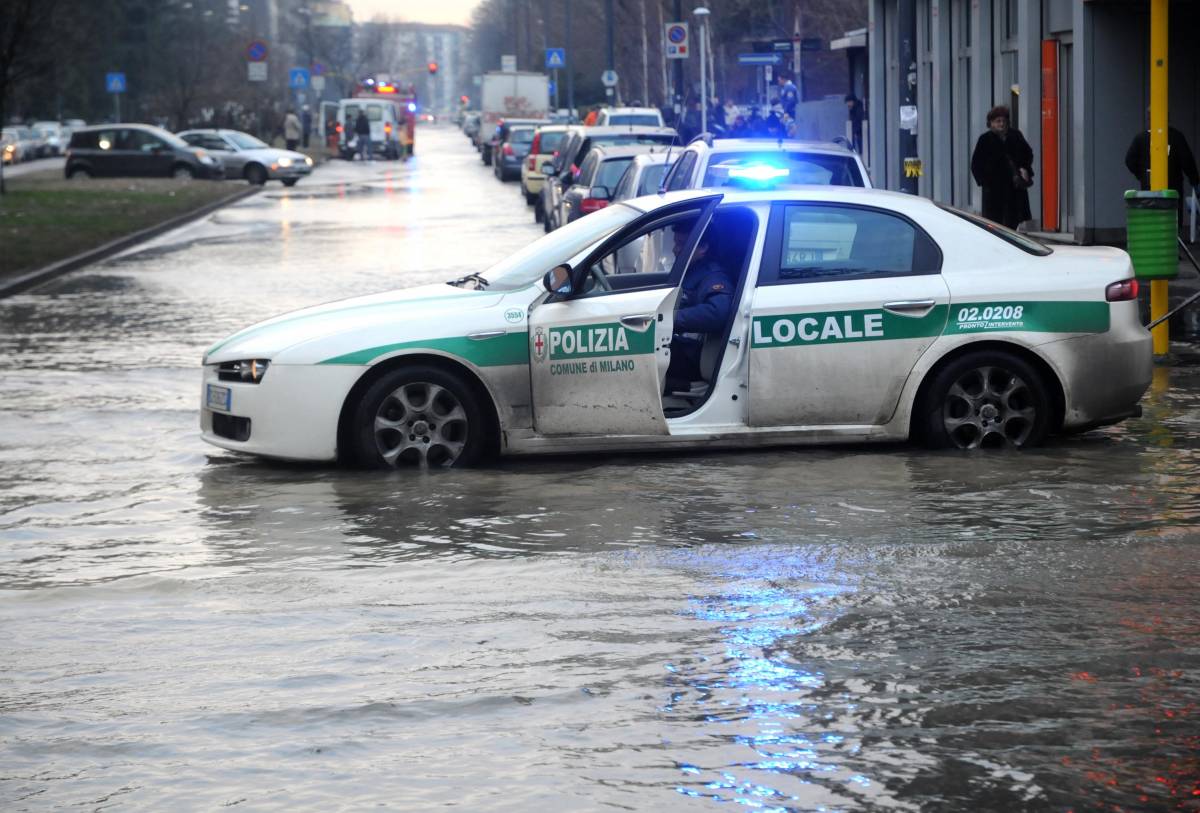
758, 172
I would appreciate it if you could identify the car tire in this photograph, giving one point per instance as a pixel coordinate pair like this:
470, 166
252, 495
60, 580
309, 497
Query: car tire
421, 417
182, 172
78, 172
256, 174
530, 200
537, 212
289, 181
985, 399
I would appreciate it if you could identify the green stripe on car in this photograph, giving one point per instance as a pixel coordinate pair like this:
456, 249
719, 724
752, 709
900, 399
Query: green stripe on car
509, 348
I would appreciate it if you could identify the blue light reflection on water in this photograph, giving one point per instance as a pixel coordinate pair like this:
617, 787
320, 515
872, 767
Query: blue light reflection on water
765, 698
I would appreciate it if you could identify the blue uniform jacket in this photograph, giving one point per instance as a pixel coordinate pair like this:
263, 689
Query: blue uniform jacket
705, 299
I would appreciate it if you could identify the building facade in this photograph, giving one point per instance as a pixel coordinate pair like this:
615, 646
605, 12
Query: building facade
1075, 74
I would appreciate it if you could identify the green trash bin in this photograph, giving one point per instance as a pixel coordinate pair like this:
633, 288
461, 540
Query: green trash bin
1152, 222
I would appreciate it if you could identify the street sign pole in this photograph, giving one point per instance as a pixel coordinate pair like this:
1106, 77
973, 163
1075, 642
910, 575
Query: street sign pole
570, 72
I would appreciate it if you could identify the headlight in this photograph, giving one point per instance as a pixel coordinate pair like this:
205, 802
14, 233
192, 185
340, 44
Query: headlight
308, 160
247, 370
205, 158
285, 162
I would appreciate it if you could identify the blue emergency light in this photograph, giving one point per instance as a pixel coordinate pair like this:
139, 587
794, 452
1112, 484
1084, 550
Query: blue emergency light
412, 107
759, 173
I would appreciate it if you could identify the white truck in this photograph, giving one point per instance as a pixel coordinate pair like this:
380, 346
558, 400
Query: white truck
519, 94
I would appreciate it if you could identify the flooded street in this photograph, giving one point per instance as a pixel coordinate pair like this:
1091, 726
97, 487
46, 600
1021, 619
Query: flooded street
855, 628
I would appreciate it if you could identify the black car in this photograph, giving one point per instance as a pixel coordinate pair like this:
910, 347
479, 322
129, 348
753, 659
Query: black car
506, 163
499, 135
598, 176
137, 150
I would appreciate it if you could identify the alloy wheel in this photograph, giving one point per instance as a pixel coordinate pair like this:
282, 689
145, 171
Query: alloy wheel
989, 406
421, 424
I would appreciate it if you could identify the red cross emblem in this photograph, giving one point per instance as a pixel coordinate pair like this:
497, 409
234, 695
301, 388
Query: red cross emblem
539, 345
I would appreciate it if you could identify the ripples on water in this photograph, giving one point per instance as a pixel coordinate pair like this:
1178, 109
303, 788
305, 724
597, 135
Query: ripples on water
845, 629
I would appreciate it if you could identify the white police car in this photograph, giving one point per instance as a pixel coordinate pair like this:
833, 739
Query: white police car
858, 315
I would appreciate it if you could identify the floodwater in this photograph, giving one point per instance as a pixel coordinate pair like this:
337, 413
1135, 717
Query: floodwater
802, 629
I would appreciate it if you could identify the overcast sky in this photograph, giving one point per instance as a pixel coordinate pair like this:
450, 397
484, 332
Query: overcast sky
420, 11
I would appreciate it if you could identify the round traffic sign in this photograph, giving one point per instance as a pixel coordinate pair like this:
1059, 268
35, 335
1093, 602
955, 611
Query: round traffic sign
256, 51
609, 78
677, 33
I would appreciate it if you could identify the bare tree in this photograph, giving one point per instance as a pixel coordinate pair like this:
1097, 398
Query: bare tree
25, 28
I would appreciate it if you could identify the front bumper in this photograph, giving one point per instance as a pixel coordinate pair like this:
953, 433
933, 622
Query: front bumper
210, 172
278, 173
291, 414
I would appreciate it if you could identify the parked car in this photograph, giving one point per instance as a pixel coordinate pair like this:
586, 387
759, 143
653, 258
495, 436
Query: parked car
470, 127
55, 135
386, 118
597, 180
500, 134
507, 162
577, 143
10, 148
640, 116
856, 315
33, 145
741, 162
142, 150
244, 156
644, 175
546, 141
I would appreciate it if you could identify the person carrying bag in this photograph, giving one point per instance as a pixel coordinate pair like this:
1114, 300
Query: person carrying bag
1002, 165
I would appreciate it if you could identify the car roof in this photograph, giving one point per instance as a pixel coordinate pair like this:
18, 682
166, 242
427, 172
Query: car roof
121, 126
623, 110
617, 129
772, 144
554, 128
606, 151
883, 198
656, 157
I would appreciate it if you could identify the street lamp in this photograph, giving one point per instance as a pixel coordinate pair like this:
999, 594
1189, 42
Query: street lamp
702, 21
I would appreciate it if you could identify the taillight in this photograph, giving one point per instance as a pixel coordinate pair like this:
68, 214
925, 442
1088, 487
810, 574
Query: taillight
1122, 291
589, 205
387, 128
508, 149
339, 128
533, 163
537, 143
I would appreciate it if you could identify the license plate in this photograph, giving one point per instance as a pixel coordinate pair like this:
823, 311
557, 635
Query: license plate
218, 398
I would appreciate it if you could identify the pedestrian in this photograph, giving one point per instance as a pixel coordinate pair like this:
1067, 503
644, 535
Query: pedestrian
789, 95
362, 131
1180, 161
592, 115
306, 124
854, 113
731, 113
1002, 165
291, 129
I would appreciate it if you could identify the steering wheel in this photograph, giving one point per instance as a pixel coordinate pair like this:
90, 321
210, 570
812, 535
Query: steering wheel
600, 279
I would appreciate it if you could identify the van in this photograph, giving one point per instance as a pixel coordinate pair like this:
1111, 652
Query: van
387, 121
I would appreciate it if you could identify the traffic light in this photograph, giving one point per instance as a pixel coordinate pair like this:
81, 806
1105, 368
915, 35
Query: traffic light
432, 68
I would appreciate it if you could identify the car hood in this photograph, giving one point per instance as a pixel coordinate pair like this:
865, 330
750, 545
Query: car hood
429, 305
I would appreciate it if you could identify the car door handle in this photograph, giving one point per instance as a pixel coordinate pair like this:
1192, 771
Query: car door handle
638, 321
909, 307
486, 334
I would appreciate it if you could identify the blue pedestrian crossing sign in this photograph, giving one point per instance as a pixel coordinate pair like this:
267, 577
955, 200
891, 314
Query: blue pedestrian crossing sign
114, 82
298, 78
556, 58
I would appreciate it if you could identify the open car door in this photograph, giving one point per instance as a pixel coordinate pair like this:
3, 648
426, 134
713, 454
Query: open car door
600, 344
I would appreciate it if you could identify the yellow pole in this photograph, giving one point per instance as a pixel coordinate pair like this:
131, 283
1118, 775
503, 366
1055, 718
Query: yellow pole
1158, 153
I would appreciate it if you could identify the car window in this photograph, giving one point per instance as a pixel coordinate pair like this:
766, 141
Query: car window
651, 251
681, 176
529, 264
138, 141
642, 119
1027, 244
626, 139
571, 149
588, 170
211, 141
652, 176
374, 112
550, 142
781, 167
245, 141
522, 136
85, 141
825, 241
625, 185
610, 172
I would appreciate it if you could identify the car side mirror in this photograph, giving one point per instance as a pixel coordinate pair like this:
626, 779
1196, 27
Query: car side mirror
558, 280
599, 193
548, 169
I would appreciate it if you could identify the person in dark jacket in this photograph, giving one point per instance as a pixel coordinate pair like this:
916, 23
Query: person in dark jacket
1180, 161
705, 305
1003, 166
362, 129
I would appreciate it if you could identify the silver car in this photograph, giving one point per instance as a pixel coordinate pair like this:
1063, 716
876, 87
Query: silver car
244, 156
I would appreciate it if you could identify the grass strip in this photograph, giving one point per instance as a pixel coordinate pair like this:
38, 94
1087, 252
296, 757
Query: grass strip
45, 218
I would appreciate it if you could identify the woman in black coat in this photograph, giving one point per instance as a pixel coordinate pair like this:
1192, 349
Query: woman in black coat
1003, 166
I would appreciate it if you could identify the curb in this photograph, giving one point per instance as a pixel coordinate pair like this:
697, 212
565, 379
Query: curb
33, 279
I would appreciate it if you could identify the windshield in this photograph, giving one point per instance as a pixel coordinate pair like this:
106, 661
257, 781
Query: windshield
782, 167
611, 172
529, 264
642, 119
521, 136
550, 142
1004, 233
244, 141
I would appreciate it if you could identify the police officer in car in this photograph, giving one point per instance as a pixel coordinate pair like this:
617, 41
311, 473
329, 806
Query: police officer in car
705, 304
